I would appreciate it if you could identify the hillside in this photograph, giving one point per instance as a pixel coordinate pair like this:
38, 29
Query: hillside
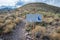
33, 7
39, 6
49, 27
50, 21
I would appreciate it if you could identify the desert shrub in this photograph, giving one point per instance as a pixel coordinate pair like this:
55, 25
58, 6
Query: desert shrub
58, 30
1, 30
29, 28
9, 27
17, 20
58, 15
42, 24
38, 32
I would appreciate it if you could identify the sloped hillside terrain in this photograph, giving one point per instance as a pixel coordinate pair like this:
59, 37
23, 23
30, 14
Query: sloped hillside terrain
48, 29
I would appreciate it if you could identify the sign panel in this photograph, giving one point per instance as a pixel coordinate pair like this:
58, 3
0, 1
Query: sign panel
34, 17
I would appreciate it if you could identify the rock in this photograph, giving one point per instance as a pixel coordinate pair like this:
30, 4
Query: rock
45, 38
38, 35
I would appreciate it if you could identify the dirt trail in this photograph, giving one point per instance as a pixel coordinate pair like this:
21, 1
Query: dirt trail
17, 34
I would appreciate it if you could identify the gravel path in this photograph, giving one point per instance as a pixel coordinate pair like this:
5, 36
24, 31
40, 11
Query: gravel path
17, 34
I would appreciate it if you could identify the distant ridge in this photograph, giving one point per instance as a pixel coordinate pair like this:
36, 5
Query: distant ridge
43, 6
36, 6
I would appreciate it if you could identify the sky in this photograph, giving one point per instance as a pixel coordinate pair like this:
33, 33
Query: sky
18, 3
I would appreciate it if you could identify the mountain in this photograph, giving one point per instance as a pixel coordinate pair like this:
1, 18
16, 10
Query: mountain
39, 6
6, 9
32, 7
50, 20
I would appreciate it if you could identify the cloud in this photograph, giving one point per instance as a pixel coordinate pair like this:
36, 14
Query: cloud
18, 3
8, 2
51, 2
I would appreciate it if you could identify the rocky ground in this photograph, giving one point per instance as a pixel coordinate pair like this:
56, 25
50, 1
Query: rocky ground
48, 29
17, 34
